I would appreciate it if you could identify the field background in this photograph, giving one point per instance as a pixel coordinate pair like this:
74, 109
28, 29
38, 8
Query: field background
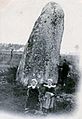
13, 97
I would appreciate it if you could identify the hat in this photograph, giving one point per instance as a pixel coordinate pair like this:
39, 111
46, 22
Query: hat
34, 81
50, 80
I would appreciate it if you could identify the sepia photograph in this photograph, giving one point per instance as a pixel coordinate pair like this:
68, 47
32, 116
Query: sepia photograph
40, 59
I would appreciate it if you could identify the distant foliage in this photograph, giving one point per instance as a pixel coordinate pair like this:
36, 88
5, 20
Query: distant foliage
11, 75
9, 46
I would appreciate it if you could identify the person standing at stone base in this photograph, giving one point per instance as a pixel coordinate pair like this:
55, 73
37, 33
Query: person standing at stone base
48, 98
32, 101
65, 71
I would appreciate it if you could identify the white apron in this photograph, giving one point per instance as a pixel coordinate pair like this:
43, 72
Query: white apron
48, 100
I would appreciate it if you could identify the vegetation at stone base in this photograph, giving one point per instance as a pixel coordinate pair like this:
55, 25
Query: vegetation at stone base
19, 90
70, 86
64, 98
10, 75
71, 81
13, 95
74, 74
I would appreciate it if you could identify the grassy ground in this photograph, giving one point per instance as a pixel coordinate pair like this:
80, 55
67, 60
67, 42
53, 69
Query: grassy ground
9, 101
12, 96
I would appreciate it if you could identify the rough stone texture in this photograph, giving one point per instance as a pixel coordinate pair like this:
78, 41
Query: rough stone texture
41, 53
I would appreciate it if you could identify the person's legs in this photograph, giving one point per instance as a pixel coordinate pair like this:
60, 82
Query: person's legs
27, 104
62, 81
63, 78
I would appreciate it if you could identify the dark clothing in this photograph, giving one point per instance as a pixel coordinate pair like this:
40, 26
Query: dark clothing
11, 53
49, 89
44, 89
59, 74
33, 98
65, 69
64, 73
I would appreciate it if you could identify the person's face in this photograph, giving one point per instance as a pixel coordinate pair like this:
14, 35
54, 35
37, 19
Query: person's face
33, 83
64, 61
49, 83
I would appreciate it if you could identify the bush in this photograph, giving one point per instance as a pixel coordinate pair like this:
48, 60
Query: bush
19, 90
11, 75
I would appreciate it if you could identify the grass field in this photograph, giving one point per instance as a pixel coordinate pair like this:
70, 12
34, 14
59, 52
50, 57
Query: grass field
12, 97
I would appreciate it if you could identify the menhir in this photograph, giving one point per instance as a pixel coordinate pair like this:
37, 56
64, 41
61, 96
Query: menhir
41, 53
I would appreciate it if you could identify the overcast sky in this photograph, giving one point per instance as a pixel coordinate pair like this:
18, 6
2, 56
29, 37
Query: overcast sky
17, 18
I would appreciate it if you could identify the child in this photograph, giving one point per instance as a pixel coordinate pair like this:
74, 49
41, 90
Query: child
49, 94
32, 96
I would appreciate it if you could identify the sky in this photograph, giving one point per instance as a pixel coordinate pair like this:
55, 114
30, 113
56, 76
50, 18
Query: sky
17, 18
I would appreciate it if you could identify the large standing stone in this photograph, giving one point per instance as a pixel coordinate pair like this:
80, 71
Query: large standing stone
41, 54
